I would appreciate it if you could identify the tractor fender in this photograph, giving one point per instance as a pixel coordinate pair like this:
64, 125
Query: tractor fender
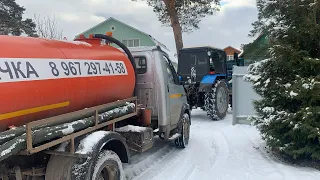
208, 80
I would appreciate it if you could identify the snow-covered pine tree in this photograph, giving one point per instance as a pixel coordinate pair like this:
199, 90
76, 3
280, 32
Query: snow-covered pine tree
288, 115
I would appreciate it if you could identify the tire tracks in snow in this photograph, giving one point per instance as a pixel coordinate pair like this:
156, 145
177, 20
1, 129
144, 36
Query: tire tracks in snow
244, 162
142, 163
216, 151
222, 153
193, 162
274, 161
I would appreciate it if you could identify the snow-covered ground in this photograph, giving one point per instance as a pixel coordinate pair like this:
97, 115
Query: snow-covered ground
216, 151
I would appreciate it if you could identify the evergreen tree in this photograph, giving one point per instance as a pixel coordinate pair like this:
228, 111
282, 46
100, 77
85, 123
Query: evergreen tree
182, 15
11, 20
289, 81
257, 50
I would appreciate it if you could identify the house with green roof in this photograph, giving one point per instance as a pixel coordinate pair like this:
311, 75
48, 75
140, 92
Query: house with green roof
128, 35
257, 50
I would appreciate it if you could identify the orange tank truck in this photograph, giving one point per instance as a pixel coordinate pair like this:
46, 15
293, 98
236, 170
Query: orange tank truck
40, 78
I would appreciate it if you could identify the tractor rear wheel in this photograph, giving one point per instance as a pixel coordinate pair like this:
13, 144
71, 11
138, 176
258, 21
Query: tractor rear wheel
217, 101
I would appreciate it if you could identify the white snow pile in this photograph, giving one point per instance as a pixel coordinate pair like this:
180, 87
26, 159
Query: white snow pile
131, 128
79, 43
69, 127
86, 145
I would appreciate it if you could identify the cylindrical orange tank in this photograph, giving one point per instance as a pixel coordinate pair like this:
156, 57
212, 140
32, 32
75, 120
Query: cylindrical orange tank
40, 78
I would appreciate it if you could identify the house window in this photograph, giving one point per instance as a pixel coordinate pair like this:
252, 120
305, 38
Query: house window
112, 28
230, 57
131, 42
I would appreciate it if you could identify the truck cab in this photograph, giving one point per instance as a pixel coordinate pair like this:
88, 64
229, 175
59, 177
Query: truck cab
158, 89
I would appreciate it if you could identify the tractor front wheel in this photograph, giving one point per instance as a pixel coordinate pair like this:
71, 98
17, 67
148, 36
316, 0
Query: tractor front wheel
217, 101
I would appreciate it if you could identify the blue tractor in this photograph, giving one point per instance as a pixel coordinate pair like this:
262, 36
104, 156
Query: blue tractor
204, 73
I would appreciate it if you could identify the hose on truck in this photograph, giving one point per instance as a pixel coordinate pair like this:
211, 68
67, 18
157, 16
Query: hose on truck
125, 49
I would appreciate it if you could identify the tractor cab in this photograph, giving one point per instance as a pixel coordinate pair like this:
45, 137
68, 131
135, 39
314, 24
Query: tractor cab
197, 62
203, 72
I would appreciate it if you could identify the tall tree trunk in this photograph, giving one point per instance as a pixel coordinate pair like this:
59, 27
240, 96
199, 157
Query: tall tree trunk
175, 24
317, 23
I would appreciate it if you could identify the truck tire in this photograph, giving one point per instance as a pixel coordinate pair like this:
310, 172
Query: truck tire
59, 168
106, 153
108, 167
217, 101
183, 140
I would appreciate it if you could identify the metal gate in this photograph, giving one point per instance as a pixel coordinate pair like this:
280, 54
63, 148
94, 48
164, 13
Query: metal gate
243, 96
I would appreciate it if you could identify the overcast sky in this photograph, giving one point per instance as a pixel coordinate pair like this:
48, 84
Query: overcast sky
229, 26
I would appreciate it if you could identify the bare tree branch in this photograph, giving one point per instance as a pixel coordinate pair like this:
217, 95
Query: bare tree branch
47, 27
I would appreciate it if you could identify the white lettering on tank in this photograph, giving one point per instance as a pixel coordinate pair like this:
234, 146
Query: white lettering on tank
30, 69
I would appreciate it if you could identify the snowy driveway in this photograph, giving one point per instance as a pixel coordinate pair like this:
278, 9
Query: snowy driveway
216, 151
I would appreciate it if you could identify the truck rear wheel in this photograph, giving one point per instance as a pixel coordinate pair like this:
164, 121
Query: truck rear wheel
183, 140
216, 101
108, 167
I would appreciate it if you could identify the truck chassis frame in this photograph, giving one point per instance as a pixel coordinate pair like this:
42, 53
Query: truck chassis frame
92, 111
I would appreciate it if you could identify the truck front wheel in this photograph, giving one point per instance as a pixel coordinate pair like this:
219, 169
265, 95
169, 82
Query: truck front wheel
217, 101
183, 140
108, 167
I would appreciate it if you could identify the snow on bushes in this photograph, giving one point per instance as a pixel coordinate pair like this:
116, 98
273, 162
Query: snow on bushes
288, 115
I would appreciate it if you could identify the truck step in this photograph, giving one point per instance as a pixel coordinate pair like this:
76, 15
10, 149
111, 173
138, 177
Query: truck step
138, 138
156, 130
174, 137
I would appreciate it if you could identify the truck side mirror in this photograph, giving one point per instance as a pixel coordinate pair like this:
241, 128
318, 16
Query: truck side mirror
236, 58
